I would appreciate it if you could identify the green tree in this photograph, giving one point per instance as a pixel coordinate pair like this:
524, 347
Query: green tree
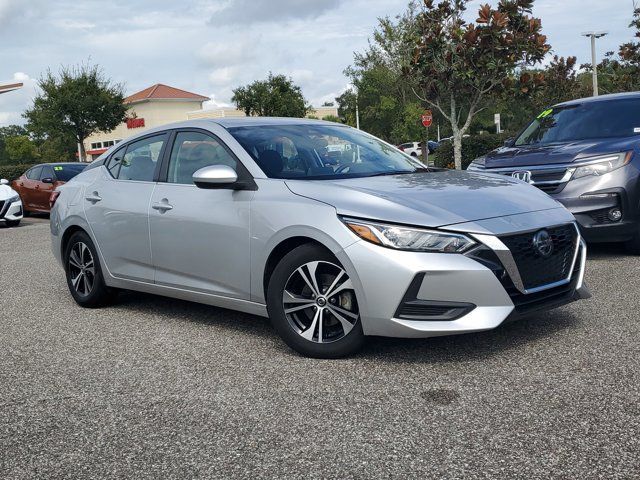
5, 132
461, 65
20, 149
332, 118
277, 96
77, 102
388, 105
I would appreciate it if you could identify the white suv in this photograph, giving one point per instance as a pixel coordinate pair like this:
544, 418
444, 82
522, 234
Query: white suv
411, 148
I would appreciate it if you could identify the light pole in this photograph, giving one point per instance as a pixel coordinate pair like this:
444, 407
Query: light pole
594, 68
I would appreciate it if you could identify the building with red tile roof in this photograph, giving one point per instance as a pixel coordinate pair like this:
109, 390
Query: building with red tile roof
154, 106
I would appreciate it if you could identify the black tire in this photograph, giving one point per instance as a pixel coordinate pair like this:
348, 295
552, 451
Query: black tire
97, 294
338, 344
13, 223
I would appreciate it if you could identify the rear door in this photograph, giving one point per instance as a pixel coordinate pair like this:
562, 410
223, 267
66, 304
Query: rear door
116, 206
200, 237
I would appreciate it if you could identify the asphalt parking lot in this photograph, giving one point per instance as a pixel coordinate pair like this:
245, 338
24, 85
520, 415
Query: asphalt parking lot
160, 388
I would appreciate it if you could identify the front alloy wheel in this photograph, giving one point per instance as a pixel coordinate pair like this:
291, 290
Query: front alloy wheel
319, 302
312, 304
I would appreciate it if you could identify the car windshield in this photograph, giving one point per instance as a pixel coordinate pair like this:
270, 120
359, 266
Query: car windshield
64, 173
308, 151
585, 121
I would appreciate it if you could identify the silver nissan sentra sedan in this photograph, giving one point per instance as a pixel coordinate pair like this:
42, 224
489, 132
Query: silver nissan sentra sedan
330, 232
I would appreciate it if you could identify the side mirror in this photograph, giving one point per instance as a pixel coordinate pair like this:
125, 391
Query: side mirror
4, 181
509, 142
47, 180
215, 176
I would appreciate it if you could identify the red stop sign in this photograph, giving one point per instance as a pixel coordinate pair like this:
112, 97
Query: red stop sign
426, 118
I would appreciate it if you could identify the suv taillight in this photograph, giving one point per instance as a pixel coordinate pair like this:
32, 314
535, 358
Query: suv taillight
52, 198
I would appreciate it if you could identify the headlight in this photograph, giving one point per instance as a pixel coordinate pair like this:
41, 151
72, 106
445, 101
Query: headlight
407, 238
14, 199
603, 164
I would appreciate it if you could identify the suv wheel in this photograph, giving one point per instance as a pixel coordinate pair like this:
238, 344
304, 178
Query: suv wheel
84, 275
313, 306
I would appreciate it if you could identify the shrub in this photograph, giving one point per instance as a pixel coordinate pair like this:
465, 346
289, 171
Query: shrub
473, 147
11, 172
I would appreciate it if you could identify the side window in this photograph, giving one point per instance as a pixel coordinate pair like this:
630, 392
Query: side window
34, 173
139, 160
193, 151
47, 172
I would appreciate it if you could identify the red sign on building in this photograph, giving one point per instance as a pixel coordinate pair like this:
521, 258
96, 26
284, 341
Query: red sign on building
135, 122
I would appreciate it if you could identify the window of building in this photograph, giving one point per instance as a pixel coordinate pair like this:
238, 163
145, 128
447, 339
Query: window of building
96, 145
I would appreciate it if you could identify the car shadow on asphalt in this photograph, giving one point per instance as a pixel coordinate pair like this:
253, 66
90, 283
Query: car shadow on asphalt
472, 346
606, 251
454, 348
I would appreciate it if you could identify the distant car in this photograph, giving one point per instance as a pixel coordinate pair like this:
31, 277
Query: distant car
415, 149
585, 154
36, 184
10, 205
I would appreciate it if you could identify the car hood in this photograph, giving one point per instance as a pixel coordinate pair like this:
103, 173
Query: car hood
431, 199
505, 157
7, 192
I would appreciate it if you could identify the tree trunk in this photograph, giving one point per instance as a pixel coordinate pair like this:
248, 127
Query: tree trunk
82, 152
457, 149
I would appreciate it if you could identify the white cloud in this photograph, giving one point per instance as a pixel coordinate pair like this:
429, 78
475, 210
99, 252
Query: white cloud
217, 45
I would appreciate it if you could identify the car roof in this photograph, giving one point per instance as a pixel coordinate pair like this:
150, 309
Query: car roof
58, 164
601, 98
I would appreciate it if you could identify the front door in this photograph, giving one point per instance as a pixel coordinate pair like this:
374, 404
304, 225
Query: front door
116, 205
44, 188
200, 237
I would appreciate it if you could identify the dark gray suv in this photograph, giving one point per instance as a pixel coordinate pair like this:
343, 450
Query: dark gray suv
586, 154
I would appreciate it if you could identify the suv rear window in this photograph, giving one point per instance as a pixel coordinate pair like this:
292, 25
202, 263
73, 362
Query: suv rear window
585, 121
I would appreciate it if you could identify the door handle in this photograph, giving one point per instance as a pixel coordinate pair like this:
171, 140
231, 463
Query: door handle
93, 198
162, 206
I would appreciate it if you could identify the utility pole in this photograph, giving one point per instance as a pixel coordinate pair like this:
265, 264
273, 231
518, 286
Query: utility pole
357, 113
594, 68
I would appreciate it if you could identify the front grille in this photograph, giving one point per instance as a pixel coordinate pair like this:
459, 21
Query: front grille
551, 180
537, 270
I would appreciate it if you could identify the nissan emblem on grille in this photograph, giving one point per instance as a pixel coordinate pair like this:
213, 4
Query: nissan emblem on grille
524, 175
543, 243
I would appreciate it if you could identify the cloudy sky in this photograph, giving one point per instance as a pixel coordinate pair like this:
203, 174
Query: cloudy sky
211, 47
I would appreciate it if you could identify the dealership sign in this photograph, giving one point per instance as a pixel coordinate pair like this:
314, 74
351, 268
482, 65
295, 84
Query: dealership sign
135, 122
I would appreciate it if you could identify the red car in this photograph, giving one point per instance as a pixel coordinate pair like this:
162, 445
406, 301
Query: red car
36, 184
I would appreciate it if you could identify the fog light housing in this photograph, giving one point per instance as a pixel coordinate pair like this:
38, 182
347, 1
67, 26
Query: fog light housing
615, 215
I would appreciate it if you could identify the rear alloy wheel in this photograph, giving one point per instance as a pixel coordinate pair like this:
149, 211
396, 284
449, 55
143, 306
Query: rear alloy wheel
313, 306
84, 275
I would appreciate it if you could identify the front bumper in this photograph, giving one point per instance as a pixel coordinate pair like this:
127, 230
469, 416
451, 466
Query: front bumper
11, 211
476, 298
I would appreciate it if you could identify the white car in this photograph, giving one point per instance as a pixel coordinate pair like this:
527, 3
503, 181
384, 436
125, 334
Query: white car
411, 148
10, 205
